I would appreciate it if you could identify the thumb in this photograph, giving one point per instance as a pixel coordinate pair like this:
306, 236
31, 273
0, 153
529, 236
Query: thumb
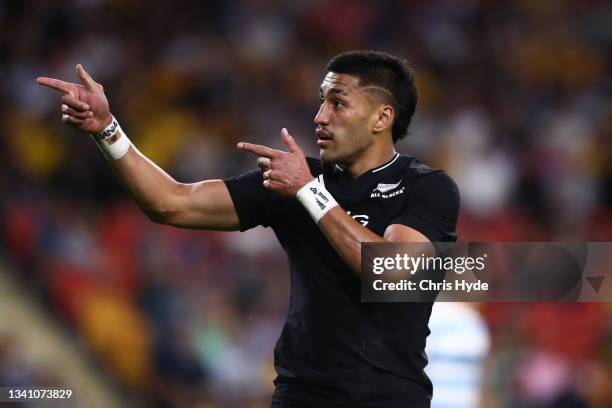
290, 141
85, 77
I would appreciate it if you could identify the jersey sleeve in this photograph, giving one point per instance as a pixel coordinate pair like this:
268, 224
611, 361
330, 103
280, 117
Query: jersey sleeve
251, 199
433, 207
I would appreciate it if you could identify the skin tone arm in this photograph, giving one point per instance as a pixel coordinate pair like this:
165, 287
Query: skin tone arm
206, 204
346, 235
287, 172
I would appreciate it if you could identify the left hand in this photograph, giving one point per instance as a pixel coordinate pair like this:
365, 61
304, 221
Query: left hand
84, 107
286, 172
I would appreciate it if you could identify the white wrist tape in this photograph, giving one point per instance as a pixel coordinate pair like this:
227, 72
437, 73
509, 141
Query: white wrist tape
316, 199
113, 142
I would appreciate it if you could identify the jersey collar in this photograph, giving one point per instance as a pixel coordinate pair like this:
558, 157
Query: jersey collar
349, 192
383, 166
387, 164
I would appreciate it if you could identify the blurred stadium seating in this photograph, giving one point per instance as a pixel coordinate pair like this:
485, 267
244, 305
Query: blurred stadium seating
515, 103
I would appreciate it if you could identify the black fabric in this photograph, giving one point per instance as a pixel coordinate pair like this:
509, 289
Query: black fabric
335, 350
251, 199
287, 405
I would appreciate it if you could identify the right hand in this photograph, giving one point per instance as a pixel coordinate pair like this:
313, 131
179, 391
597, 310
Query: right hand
84, 107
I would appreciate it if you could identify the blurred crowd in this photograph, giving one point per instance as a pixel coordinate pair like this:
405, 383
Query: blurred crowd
514, 103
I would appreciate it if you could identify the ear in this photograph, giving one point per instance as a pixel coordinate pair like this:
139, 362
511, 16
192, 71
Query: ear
384, 118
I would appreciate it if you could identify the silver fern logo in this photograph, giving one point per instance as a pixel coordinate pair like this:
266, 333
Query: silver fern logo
382, 189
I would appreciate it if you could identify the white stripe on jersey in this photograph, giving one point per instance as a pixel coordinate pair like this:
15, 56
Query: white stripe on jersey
388, 164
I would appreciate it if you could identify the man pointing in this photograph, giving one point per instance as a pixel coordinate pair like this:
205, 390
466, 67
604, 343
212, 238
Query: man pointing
334, 351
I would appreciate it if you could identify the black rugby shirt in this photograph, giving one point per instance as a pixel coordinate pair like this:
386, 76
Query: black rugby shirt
335, 351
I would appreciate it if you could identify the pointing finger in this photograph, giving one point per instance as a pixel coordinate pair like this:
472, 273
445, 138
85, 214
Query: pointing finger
85, 78
56, 84
290, 141
74, 103
260, 150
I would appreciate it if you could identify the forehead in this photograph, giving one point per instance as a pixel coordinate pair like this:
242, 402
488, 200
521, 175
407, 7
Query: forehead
341, 83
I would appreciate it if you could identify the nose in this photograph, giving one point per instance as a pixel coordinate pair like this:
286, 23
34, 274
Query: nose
322, 116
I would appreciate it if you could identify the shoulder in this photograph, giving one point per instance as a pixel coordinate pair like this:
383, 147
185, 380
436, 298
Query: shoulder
427, 177
432, 203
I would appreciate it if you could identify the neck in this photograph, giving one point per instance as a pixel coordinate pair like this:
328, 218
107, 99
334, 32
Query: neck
376, 156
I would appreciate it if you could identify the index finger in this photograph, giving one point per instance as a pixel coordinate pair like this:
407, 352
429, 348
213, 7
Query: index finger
260, 150
56, 84
290, 141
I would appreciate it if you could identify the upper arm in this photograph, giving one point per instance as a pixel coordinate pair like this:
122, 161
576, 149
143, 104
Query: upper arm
238, 203
402, 233
253, 203
206, 205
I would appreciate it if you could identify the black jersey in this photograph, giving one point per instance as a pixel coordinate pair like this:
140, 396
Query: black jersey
334, 350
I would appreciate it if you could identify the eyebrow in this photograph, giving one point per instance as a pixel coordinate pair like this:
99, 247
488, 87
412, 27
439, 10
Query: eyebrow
334, 91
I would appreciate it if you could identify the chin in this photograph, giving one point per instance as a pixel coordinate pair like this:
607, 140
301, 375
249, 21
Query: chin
332, 156
326, 156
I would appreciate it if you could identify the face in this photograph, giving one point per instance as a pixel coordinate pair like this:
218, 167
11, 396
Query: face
345, 119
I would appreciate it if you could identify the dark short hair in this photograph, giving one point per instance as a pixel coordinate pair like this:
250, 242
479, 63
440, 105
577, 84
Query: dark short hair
374, 68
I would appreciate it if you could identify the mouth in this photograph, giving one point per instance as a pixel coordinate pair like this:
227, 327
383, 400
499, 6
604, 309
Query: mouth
324, 137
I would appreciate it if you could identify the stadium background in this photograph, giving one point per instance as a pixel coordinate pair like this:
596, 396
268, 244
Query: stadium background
514, 104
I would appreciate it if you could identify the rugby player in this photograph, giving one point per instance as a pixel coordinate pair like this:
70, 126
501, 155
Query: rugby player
334, 350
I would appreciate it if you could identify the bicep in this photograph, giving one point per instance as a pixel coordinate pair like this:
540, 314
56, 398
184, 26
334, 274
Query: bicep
402, 233
206, 205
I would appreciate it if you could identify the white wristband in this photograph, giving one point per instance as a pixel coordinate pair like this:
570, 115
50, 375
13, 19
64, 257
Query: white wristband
113, 142
316, 199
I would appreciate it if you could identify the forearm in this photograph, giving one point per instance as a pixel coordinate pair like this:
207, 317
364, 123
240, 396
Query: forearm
203, 205
341, 230
151, 188
346, 235
206, 204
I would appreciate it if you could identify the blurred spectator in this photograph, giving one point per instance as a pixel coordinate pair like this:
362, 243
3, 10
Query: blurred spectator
456, 348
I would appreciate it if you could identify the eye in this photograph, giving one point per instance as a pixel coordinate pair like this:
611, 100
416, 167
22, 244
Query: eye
338, 103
